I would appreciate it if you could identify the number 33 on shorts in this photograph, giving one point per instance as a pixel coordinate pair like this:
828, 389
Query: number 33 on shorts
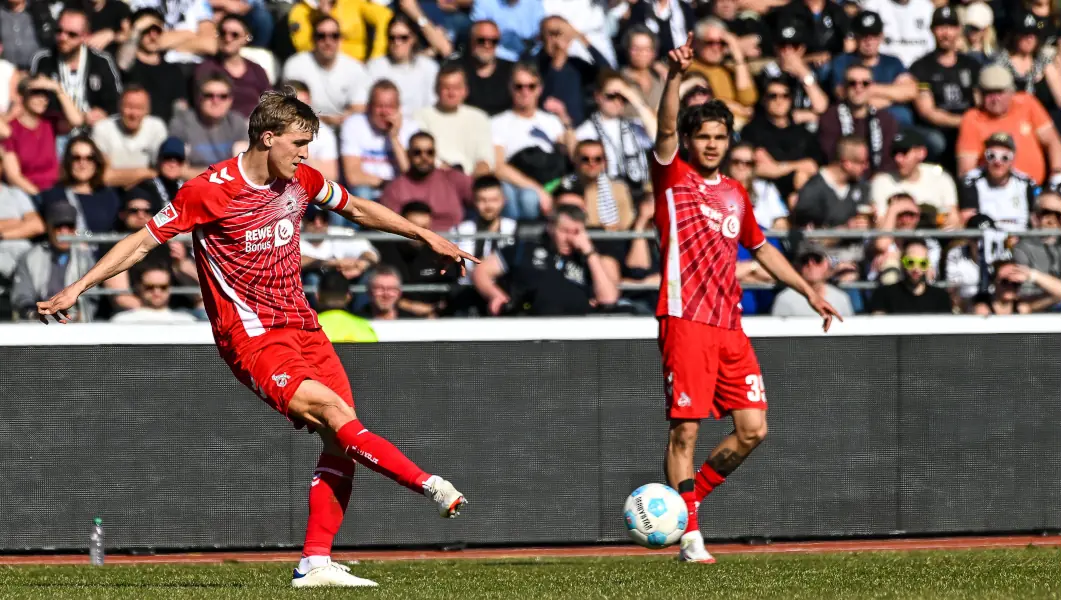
756, 393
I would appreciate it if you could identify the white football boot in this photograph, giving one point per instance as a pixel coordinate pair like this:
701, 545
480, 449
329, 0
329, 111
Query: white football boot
693, 550
330, 575
449, 500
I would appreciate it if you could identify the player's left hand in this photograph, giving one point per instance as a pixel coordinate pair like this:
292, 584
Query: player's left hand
825, 310
449, 251
58, 305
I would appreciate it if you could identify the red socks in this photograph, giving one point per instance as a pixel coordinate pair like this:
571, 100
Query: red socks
691, 505
377, 454
330, 490
706, 480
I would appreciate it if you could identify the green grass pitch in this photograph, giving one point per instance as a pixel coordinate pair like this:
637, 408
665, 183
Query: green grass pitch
964, 574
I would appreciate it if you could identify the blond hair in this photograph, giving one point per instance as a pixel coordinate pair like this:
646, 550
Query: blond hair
277, 111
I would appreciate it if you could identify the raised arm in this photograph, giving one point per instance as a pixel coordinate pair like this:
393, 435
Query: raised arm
679, 60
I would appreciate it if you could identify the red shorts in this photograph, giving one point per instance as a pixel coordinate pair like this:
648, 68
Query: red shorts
708, 371
274, 364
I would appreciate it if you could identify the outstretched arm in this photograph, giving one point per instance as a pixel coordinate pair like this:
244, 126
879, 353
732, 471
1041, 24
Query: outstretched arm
777, 265
667, 117
127, 253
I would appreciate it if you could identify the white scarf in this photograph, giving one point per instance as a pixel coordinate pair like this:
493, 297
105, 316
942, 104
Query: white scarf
74, 83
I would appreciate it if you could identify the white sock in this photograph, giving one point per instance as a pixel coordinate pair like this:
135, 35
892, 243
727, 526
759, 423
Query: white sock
308, 563
428, 485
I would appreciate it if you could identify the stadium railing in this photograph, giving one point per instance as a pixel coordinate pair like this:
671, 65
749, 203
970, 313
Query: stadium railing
885, 426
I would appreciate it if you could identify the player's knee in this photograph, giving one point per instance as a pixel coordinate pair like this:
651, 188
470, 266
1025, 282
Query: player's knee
750, 437
683, 437
319, 405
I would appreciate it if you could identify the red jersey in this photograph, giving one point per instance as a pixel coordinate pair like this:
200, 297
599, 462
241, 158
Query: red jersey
700, 223
246, 244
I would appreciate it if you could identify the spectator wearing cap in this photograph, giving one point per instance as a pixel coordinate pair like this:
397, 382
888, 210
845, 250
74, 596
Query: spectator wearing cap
340, 326
1046, 16
518, 21
892, 87
463, 133
913, 294
907, 27
170, 168
786, 152
338, 82
831, 197
359, 17
813, 263
249, 79
669, 20
979, 36
830, 26
406, 65
444, 191
19, 223
1020, 115
997, 189
1007, 298
808, 100
531, 147
721, 60
1023, 56
488, 75
419, 265
1042, 254
47, 268
856, 115
130, 139
88, 76
29, 158
374, 144
28, 27
140, 60
153, 290
323, 151
947, 81
767, 205
214, 132
927, 183
566, 79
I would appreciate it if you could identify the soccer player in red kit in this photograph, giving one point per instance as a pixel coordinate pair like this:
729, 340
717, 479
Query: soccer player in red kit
245, 216
709, 366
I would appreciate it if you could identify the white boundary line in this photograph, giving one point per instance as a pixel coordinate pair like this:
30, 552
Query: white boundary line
539, 329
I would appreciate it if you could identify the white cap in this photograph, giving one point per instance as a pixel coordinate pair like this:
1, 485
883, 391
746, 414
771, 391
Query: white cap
978, 15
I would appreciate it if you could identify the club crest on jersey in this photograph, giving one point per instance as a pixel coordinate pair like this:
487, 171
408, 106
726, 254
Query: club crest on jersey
168, 214
281, 379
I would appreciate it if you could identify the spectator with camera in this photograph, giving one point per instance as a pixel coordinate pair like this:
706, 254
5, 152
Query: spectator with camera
913, 294
560, 274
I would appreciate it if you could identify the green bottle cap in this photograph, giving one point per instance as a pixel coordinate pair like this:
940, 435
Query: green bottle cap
98, 521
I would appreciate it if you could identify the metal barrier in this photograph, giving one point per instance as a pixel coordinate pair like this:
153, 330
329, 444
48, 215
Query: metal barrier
886, 426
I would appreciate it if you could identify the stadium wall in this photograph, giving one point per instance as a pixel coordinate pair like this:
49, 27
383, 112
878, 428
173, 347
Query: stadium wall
888, 426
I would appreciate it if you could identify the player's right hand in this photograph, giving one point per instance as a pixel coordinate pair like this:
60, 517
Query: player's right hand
57, 306
681, 57
825, 310
449, 251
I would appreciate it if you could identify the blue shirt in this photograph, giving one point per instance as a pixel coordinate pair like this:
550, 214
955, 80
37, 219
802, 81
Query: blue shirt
518, 22
756, 302
885, 71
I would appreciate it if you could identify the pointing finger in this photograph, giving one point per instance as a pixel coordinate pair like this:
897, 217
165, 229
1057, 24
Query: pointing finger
689, 40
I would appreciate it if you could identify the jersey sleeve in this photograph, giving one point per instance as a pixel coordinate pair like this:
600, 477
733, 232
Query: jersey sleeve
323, 193
751, 235
194, 204
665, 174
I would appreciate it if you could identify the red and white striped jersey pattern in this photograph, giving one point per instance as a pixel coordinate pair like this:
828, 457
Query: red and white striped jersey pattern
700, 223
247, 246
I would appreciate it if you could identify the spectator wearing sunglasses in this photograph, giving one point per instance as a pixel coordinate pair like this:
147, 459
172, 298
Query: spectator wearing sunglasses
767, 205
1007, 298
405, 65
140, 60
721, 59
813, 264
214, 132
1042, 254
444, 191
358, 16
249, 79
997, 189
858, 115
337, 82
913, 294
153, 290
488, 76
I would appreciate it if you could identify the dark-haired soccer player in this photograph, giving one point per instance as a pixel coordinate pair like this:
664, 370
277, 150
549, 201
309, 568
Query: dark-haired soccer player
245, 217
709, 367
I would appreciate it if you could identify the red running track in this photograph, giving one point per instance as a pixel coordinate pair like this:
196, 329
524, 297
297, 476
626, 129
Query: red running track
953, 543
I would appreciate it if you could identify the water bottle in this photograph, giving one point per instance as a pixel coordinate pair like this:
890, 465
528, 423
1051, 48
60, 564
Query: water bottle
96, 543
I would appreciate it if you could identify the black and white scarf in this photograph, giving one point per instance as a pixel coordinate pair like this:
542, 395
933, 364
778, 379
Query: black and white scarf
627, 162
875, 136
606, 208
73, 83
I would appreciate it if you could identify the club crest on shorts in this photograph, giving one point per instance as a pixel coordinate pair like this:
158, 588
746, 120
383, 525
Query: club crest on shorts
684, 400
280, 379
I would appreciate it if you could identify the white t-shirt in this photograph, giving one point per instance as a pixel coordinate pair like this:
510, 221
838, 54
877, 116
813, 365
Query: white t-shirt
767, 205
906, 27
153, 315
415, 81
333, 89
515, 133
359, 139
324, 146
124, 151
962, 272
463, 137
934, 187
336, 249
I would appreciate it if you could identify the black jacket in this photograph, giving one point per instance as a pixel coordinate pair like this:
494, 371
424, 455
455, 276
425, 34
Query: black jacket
103, 84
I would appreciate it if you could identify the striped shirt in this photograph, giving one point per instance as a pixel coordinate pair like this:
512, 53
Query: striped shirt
247, 246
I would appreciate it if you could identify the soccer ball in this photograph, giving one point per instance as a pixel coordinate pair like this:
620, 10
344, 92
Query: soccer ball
655, 516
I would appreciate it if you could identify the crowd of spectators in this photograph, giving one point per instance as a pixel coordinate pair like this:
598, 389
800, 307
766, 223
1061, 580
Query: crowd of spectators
489, 116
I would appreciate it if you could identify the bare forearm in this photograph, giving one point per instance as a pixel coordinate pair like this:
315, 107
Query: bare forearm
375, 216
400, 153
127, 177
127, 253
71, 112
604, 290
772, 260
510, 174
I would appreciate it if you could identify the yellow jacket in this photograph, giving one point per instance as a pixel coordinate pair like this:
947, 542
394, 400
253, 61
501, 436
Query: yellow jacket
341, 326
353, 16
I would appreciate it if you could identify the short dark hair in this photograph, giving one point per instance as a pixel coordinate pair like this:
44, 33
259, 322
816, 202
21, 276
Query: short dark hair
319, 18
567, 210
420, 134
485, 182
382, 85
448, 69
234, 18
297, 85
216, 77
606, 76
74, 10
333, 290
415, 207
908, 243
714, 110
846, 141
152, 266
